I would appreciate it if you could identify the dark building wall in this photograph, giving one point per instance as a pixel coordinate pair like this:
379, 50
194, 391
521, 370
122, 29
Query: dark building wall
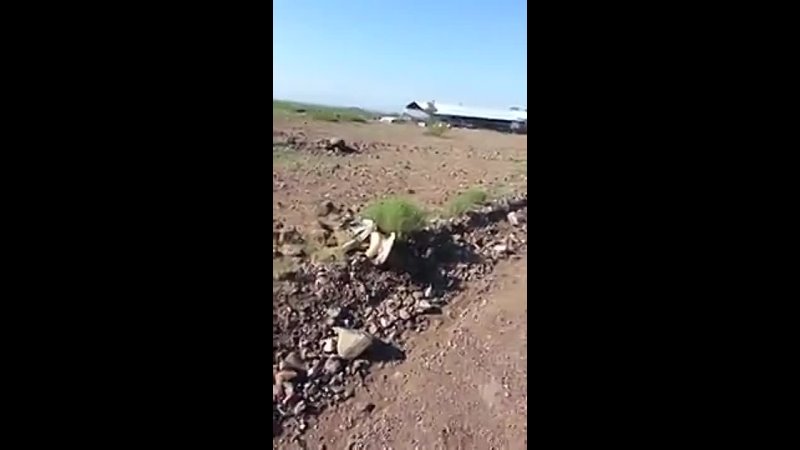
473, 122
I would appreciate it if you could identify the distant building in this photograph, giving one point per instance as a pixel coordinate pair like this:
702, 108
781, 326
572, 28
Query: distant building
512, 120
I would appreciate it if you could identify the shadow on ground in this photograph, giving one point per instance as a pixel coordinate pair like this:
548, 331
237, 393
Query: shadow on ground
381, 351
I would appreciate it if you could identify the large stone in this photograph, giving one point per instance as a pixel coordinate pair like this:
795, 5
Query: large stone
351, 343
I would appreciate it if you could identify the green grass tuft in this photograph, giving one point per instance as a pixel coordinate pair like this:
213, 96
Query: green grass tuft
396, 215
435, 128
285, 156
466, 201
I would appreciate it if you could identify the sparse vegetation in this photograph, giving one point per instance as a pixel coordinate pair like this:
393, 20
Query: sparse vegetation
436, 128
499, 190
396, 215
285, 156
466, 201
321, 112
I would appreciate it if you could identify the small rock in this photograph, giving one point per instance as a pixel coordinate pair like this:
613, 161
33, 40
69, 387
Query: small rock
277, 392
358, 364
299, 407
334, 312
404, 314
325, 226
285, 375
316, 367
500, 248
293, 361
288, 389
333, 365
373, 329
325, 208
512, 218
328, 345
349, 391
428, 292
424, 305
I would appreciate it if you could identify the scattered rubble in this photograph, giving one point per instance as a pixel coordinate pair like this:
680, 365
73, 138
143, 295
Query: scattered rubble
299, 141
333, 321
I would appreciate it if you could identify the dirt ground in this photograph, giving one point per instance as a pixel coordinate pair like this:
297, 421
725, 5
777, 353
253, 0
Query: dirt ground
462, 386
394, 159
463, 382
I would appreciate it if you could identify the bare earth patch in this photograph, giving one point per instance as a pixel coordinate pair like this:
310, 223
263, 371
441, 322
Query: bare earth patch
393, 159
463, 385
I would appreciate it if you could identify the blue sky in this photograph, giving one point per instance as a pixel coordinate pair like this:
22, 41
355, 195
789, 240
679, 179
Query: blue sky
383, 54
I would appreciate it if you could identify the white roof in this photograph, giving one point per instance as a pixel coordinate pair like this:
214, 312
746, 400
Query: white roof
444, 109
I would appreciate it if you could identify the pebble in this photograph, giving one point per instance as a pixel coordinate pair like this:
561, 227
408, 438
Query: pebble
424, 305
334, 312
512, 218
349, 392
293, 361
285, 375
299, 407
333, 365
404, 314
288, 390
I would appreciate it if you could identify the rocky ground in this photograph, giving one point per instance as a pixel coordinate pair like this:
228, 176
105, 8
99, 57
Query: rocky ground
340, 323
462, 386
376, 160
321, 305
